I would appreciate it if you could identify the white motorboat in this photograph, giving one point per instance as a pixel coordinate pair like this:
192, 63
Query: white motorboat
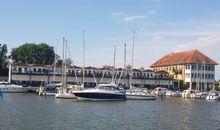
199, 95
139, 94
213, 95
160, 91
189, 93
101, 92
6, 87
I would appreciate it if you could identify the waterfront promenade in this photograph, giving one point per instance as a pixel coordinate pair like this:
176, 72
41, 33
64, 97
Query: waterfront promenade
29, 111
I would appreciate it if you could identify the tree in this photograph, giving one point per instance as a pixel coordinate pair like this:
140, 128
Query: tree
128, 67
68, 62
3, 56
31, 53
108, 66
141, 68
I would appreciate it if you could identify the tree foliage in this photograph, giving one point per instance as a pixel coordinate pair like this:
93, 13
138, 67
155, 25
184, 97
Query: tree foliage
69, 62
31, 53
141, 68
128, 67
3, 56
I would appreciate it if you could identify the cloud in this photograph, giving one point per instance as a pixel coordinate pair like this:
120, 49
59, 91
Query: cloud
151, 12
130, 18
134, 18
203, 42
118, 13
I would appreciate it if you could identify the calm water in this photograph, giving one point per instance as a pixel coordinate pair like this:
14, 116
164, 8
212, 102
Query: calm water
32, 112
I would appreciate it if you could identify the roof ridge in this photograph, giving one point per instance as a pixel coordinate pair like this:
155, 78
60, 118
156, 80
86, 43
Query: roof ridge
193, 54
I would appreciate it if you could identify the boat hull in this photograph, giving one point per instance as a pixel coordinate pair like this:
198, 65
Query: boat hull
211, 97
65, 96
98, 96
6, 89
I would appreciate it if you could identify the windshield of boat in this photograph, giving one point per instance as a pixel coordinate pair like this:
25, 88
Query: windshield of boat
107, 87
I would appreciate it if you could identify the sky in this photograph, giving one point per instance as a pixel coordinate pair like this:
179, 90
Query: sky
161, 27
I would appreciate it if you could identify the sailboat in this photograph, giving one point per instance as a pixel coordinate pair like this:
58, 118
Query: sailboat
63, 91
49, 89
136, 93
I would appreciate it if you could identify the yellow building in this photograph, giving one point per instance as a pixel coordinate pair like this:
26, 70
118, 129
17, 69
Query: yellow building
191, 67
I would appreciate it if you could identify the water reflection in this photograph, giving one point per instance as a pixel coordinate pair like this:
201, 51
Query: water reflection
28, 111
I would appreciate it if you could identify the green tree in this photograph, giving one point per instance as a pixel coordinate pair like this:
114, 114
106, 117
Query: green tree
141, 68
31, 53
128, 67
69, 62
3, 56
108, 66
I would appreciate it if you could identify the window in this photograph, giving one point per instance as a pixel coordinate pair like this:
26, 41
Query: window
19, 70
25, 70
192, 67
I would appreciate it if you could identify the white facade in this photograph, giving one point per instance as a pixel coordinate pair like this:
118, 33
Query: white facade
200, 76
34, 74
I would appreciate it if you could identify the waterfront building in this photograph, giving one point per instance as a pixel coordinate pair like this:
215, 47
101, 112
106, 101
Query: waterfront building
190, 67
34, 75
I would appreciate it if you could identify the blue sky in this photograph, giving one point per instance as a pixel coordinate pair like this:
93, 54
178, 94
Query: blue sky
161, 26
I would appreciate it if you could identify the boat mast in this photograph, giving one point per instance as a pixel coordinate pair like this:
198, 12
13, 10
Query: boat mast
54, 68
65, 64
124, 62
132, 60
204, 75
123, 70
83, 78
113, 73
63, 61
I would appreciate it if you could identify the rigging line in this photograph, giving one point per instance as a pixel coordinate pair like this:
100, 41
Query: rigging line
115, 76
113, 73
103, 74
77, 81
94, 76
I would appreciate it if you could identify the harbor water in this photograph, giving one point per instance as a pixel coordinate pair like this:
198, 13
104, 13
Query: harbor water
32, 112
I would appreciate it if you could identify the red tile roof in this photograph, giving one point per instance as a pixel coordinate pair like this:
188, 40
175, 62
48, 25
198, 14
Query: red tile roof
90, 67
187, 57
148, 70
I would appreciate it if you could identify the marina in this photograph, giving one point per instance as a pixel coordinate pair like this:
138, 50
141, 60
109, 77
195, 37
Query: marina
29, 111
110, 65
